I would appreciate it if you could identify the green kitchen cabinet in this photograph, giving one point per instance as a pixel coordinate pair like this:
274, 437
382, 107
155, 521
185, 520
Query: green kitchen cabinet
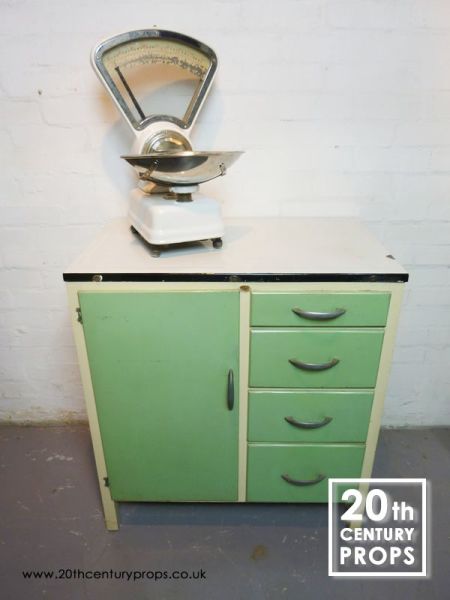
254, 373
160, 366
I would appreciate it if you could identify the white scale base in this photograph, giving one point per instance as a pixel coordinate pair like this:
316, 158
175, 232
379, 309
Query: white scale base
161, 221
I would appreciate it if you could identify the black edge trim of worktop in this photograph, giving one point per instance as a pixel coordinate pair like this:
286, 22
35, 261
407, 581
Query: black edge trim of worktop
238, 277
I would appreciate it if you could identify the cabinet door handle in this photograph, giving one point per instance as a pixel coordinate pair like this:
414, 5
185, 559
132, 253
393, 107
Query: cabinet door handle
308, 425
313, 366
300, 482
319, 316
230, 390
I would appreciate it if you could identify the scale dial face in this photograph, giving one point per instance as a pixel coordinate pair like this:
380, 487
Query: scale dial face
155, 75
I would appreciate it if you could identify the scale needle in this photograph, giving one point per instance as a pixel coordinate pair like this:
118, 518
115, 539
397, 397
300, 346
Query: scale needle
130, 93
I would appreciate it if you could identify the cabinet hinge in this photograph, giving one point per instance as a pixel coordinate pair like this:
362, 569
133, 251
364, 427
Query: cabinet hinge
106, 480
79, 316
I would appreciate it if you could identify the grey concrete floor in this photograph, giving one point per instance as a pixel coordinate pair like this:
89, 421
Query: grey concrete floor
50, 518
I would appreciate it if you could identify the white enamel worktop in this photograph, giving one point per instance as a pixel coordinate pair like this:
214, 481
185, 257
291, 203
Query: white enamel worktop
330, 249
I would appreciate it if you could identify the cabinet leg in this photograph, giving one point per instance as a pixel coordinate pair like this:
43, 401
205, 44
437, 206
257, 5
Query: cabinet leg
110, 511
112, 524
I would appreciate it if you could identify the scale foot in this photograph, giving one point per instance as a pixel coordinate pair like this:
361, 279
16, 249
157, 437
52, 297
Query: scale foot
155, 252
217, 242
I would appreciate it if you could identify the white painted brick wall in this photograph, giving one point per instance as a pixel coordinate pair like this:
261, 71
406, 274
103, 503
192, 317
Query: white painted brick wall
348, 99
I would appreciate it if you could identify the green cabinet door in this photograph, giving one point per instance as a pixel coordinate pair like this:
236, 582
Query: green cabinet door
159, 365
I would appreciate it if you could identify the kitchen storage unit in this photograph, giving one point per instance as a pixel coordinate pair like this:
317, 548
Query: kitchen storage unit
248, 375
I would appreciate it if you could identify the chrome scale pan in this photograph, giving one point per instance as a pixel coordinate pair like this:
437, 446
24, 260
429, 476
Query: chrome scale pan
182, 168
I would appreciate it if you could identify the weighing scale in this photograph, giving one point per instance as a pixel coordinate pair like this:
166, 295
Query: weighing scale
159, 80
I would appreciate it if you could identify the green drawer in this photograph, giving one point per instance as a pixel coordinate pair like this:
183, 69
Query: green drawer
357, 350
362, 309
309, 416
267, 463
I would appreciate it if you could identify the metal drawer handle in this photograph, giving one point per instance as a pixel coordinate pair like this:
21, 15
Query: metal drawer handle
300, 482
313, 366
306, 425
319, 316
230, 390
